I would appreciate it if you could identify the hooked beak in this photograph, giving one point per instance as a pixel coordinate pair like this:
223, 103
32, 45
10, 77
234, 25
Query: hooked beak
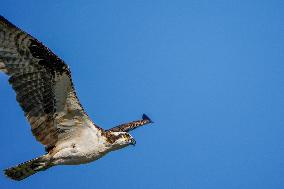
132, 141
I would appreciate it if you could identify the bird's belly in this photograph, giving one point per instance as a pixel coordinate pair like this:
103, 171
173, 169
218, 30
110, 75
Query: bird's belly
79, 153
88, 146
79, 159
71, 156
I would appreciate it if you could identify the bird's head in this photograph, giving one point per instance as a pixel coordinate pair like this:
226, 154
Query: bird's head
120, 139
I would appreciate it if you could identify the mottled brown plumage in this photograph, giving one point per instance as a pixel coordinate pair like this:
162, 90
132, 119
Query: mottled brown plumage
45, 92
34, 71
126, 127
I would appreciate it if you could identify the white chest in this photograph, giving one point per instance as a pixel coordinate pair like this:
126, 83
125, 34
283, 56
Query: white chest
88, 146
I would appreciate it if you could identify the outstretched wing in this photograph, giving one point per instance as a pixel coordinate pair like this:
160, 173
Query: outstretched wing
43, 84
126, 127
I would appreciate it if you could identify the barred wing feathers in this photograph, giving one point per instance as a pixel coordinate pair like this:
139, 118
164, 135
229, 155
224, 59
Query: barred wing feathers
43, 85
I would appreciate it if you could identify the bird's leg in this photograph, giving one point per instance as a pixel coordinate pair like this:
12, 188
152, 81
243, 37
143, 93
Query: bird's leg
126, 127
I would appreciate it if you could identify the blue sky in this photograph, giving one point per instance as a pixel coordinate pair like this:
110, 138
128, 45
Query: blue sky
209, 73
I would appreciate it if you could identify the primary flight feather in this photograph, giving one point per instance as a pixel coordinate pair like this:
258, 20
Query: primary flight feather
45, 91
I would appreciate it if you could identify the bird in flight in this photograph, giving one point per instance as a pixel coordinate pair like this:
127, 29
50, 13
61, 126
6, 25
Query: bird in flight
45, 92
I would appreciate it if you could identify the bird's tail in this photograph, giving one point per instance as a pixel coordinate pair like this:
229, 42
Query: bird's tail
27, 168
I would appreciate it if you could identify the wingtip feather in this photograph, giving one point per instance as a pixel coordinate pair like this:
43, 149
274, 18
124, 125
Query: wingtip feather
145, 117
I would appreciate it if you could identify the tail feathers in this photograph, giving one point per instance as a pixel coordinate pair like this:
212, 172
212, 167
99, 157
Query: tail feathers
27, 169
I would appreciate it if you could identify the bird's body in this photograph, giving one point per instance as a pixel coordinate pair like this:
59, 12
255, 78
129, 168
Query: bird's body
87, 145
45, 92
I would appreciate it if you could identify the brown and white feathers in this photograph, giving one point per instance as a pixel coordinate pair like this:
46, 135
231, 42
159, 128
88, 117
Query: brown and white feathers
42, 82
45, 92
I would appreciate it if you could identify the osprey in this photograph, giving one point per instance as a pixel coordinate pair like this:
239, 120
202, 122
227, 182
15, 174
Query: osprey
45, 92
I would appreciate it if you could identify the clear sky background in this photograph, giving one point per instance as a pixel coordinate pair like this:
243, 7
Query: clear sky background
210, 73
